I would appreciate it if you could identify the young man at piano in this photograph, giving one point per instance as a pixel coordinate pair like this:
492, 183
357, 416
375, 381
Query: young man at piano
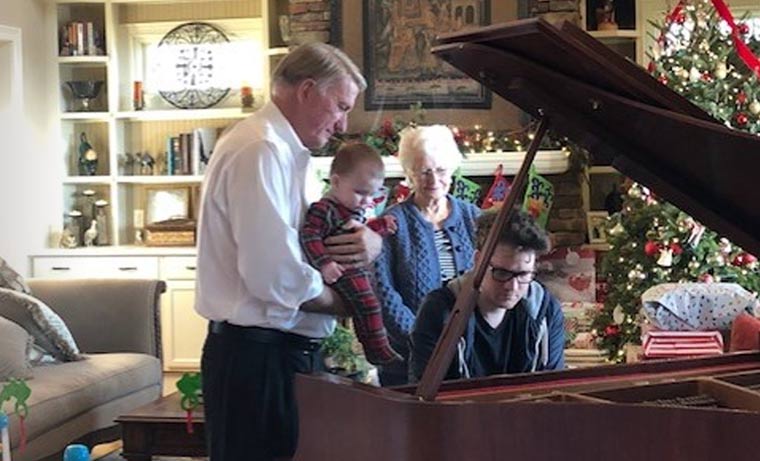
517, 325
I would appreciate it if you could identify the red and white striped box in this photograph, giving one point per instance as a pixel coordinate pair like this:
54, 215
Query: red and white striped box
663, 344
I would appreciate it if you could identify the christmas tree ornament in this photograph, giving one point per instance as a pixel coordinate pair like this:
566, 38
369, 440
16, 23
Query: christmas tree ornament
706, 278
754, 107
675, 247
721, 71
634, 191
651, 248
612, 330
617, 229
741, 98
725, 246
666, 258
618, 315
694, 75
742, 119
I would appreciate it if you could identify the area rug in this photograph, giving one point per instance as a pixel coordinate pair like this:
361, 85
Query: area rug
112, 452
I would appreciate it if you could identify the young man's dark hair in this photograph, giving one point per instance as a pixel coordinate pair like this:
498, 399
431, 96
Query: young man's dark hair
521, 232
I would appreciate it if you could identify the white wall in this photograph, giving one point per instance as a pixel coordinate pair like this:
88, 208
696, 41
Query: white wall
30, 165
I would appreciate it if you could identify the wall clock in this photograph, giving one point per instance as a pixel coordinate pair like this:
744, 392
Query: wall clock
194, 53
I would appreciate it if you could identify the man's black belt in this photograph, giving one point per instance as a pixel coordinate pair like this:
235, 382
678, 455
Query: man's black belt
266, 336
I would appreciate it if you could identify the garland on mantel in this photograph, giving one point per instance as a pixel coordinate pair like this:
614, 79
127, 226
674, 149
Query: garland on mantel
471, 140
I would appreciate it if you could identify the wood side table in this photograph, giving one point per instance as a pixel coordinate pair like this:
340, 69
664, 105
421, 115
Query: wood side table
159, 429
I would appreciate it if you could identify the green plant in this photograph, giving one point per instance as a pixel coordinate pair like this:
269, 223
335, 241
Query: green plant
339, 352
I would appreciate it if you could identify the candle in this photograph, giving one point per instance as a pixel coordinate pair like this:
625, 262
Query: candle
246, 96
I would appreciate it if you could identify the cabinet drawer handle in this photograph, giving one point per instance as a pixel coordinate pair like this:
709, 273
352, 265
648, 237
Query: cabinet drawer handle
60, 268
190, 268
126, 269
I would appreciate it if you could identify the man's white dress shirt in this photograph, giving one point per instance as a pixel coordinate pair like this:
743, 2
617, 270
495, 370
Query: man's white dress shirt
251, 269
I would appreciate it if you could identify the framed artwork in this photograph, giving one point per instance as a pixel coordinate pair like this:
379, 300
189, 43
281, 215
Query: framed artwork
399, 67
167, 202
596, 221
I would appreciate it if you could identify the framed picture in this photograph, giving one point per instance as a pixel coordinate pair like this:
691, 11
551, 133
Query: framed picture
596, 221
399, 67
167, 202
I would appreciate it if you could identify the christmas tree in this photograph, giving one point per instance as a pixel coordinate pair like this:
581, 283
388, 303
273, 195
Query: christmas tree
700, 56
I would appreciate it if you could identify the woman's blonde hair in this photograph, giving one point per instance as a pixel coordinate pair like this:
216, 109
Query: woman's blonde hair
435, 141
318, 61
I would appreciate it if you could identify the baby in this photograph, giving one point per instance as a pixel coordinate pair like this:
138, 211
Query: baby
356, 175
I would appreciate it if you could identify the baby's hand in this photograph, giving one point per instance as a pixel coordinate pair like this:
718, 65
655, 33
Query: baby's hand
390, 223
331, 272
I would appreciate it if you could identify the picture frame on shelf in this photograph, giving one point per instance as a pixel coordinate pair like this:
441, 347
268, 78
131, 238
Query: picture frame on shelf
400, 71
596, 224
167, 202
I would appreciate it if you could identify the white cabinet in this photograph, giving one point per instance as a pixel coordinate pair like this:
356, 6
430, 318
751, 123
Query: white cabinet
182, 329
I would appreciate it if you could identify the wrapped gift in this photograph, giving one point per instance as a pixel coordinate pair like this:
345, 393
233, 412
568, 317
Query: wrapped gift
664, 344
569, 274
696, 306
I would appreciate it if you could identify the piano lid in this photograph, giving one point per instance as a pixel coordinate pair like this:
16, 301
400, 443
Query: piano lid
611, 106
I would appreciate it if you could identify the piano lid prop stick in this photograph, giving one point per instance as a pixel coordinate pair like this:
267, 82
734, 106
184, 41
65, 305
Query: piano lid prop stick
468, 297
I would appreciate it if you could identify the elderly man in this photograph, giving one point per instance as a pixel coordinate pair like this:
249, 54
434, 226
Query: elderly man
268, 309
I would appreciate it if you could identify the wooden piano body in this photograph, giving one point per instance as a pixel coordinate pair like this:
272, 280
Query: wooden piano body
615, 412
694, 409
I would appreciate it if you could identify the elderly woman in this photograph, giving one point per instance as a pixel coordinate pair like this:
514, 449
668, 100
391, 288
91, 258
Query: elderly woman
434, 241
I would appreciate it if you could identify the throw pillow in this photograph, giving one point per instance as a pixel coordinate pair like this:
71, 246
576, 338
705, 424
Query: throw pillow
47, 328
12, 279
745, 333
15, 344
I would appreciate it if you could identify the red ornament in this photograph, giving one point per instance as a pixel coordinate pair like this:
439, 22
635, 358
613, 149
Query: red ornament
676, 248
650, 67
680, 17
662, 79
743, 259
743, 28
611, 330
706, 278
706, 77
651, 248
741, 98
741, 119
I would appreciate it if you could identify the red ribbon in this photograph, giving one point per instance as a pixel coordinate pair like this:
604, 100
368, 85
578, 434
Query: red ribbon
22, 434
741, 48
746, 55
189, 421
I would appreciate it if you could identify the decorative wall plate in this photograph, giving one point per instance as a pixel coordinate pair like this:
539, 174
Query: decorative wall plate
194, 65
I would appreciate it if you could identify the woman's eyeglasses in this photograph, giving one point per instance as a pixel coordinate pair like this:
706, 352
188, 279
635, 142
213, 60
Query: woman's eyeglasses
502, 275
439, 172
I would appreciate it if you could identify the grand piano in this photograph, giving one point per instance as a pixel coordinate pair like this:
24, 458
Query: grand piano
690, 409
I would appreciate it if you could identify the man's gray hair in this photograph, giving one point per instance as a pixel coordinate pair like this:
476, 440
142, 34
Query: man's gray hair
434, 141
318, 61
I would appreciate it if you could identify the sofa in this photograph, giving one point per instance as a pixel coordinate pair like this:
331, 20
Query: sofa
115, 324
